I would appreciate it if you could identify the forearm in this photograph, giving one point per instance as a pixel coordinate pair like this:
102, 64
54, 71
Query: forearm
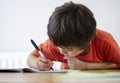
103, 65
31, 61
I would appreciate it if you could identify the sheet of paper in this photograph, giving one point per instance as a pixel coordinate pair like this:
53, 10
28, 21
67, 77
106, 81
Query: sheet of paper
75, 74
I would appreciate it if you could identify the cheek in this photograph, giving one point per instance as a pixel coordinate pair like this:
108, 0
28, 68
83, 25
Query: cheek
73, 53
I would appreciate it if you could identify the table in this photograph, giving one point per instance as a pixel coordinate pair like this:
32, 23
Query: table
51, 78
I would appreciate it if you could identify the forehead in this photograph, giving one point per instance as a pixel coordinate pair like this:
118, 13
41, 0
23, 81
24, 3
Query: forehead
68, 47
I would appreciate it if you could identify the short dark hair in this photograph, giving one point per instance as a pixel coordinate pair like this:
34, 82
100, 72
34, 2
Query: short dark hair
71, 25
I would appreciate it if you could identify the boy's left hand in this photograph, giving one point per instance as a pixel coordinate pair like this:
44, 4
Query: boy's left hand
75, 63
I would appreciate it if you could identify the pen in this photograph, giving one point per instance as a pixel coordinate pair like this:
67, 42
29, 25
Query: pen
36, 47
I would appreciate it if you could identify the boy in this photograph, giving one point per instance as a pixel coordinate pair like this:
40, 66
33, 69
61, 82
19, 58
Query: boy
75, 42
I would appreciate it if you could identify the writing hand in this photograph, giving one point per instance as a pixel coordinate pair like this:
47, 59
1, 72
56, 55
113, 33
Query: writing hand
43, 63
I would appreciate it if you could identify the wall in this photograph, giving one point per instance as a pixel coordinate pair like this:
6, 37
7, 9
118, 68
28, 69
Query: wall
21, 20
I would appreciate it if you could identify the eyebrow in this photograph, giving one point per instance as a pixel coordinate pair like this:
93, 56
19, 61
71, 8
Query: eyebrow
66, 48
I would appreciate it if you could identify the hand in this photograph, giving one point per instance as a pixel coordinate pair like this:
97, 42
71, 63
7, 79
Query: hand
75, 63
43, 63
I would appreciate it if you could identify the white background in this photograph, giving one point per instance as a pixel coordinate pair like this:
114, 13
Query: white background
21, 20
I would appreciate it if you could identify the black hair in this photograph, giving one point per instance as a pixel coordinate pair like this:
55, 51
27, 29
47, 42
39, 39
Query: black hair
71, 25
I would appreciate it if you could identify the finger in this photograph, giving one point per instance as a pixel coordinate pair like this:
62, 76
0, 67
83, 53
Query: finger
44, 60
65, 57
71, 63
44, 64
71, 66
41, 64
43, 67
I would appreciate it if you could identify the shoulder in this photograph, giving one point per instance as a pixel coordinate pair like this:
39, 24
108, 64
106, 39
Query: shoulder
104, 41
103, 37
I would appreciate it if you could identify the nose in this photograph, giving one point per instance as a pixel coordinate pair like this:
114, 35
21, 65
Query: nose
62, 51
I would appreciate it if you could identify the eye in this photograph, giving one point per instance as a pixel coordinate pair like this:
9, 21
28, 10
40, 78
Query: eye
66, 48
69, 49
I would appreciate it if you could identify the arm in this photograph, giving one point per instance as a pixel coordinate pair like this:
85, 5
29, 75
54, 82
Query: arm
75, 63
103, 65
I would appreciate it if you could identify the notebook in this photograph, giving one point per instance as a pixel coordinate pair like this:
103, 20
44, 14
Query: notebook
31, 70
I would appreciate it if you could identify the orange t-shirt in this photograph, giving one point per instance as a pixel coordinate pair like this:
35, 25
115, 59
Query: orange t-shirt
102, 48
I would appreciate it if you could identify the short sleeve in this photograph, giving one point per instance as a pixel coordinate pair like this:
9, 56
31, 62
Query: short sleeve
111, 51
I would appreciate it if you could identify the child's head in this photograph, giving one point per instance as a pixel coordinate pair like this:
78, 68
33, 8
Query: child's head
71, 25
